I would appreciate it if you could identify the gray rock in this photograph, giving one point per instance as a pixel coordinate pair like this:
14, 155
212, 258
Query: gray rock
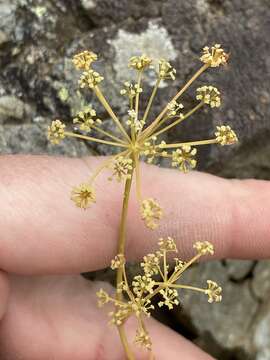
12, 107
239, 269
228, 323
261, 280
32, 139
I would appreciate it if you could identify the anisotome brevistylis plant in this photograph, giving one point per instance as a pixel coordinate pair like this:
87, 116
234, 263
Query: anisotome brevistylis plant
136, 139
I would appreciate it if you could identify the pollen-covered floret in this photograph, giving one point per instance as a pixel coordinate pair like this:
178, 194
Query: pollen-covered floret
83, 195
121, 168
167, 244
118, 262
174, 109
183, 158
103, 297
84, 59
151, 213
139, 62
142, 338
131, 90
165, 70
209, 95
90, 79
225, 135
170, 298
86, 119
204, 247
56, 132
213, 291
134, 122
215, 56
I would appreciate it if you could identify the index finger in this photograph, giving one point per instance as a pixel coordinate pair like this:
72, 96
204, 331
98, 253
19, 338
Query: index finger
42, 232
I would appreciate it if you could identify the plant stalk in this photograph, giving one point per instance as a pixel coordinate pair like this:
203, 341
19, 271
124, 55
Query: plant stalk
121, 250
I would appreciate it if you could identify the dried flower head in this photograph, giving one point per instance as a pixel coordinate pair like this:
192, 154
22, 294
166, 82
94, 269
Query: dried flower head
213, 291
209, 95
56, 132
130, 90
174, 109
121, 167
118, 261
143, 339
103, 297
170, 298
204, 247
225, 135
86, 119
167, 244
139, 62
90, 79
83, 195
165, 70
215, 56
133, 122
151, 212
83, 60
183, 158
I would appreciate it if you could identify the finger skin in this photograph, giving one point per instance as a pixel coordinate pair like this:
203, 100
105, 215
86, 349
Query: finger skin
56, 317
43, 232
4, 293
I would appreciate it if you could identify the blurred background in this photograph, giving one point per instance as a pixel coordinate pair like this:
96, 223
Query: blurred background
38, 84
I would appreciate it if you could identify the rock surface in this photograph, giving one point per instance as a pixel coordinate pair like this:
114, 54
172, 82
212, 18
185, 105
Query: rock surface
38, 83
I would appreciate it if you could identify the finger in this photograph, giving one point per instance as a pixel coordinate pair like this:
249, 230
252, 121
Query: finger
56, 317
4, 293
43, 232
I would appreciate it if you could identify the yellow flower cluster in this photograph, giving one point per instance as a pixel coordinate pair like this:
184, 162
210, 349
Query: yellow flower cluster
140, 62
214, 56
56, 132
83, 60
209, 95
86, 119
183, 158
225, 135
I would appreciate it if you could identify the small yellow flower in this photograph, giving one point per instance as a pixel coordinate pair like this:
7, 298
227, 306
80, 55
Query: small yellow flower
142, 338
83, 195
215, 56
103, 297
83, 60
139, 62
183, 158
225, 135
121, 168
86, 119
118, 261
90, 79
166, 71
209, 95
174, 109
56, 132
213, 292
167, 244
131, 90
170, 298
151, 212
204, 247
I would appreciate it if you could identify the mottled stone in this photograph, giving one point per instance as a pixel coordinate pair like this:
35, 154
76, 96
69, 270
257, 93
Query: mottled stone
261, 280
12, 107
239, 269
32, 139
227, 323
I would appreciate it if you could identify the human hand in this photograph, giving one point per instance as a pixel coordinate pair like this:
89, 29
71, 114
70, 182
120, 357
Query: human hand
47, 310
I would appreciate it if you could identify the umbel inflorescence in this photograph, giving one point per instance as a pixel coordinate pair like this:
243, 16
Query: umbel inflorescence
140, 138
